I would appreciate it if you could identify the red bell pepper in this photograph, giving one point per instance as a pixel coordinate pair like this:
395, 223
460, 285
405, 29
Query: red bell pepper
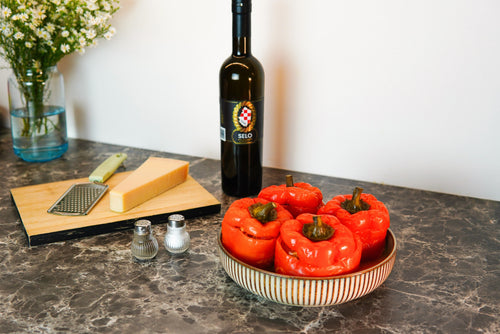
316, 245
365, 216
297, 197
250, 229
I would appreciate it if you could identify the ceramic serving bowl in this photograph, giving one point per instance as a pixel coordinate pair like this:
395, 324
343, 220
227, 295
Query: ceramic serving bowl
311, 291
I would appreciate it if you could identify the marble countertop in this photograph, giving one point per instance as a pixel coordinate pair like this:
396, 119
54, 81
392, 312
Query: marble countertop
446, 278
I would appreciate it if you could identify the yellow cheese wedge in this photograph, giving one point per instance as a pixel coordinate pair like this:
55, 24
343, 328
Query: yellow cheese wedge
152, 178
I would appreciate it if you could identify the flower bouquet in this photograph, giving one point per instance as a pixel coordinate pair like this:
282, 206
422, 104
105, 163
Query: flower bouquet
34, 36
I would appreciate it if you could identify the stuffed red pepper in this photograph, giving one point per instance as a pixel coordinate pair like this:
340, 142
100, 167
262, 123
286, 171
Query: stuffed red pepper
297, 197
250, 229
316, 245
365, 216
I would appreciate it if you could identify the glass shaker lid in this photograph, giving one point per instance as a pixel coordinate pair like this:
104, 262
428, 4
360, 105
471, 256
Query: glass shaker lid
143, 227
176, 221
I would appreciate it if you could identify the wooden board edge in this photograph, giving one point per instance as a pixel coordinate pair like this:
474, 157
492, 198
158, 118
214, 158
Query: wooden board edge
116, 226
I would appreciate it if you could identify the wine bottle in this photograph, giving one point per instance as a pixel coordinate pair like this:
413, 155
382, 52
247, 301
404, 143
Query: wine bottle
241, 80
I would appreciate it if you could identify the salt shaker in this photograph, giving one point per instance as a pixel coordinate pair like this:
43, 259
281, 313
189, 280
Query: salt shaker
177, 239
144, 245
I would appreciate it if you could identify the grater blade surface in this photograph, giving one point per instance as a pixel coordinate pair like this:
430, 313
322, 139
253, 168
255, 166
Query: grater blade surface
79, 199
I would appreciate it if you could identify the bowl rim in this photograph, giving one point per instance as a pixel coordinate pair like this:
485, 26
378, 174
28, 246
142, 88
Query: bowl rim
388, 255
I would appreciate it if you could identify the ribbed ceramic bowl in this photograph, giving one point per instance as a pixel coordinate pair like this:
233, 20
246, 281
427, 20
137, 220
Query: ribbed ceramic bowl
311, 291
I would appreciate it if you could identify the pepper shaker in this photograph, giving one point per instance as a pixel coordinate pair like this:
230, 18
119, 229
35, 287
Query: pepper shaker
144, 244
177, 239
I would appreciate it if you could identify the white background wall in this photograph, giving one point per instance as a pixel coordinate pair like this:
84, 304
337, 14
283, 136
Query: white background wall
397, 92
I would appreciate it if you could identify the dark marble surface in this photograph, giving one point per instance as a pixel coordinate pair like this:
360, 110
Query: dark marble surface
446, 278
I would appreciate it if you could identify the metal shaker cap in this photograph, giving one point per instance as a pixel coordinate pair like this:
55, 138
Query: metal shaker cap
142, 227
176, 221
177, 239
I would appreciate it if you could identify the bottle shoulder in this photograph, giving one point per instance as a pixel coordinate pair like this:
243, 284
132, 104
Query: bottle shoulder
248, 63
241, 78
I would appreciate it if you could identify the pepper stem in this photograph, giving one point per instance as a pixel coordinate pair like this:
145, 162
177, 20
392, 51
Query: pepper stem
289, 180
263, 212
317, 230
355, 204
356, 197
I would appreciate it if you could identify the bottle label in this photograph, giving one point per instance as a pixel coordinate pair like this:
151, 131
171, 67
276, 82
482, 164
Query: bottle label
241, 121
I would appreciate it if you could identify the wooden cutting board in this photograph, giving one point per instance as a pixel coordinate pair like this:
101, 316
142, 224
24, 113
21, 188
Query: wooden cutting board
32, 202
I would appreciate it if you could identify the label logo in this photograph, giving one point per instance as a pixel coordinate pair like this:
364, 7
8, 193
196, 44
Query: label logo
244, 116
244, 119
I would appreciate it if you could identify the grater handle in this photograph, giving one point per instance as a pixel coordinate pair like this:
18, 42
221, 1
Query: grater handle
107, 168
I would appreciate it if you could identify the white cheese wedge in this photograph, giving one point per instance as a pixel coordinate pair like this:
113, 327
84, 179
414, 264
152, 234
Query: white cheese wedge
152, 178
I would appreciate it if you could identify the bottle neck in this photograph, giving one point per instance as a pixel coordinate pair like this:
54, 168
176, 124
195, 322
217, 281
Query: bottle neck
241, 34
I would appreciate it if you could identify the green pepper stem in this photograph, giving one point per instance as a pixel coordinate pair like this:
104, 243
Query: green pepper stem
317, 230
318, 222
355, 204
356, 197
263, 212
289, 180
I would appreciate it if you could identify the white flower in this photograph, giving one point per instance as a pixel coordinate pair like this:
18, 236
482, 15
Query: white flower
23, 17
46, 30
96, 21
38, 13
90, 34
42, 33
39, 32
105, 16
5, 30
50, 28
92, 6
82, 41
110, 33
92, 20
6, 12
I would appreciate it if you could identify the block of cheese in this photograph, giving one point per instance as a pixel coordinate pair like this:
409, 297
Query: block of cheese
152, 178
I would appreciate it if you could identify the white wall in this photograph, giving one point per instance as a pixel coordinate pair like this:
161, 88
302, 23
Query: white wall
397, 92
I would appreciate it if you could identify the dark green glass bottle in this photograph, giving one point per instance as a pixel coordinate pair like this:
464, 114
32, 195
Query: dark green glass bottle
241, 110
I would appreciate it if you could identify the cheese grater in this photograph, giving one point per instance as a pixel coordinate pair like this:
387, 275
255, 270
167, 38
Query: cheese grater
80, 198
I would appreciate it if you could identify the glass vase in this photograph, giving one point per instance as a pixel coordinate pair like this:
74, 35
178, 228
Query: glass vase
38, 114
